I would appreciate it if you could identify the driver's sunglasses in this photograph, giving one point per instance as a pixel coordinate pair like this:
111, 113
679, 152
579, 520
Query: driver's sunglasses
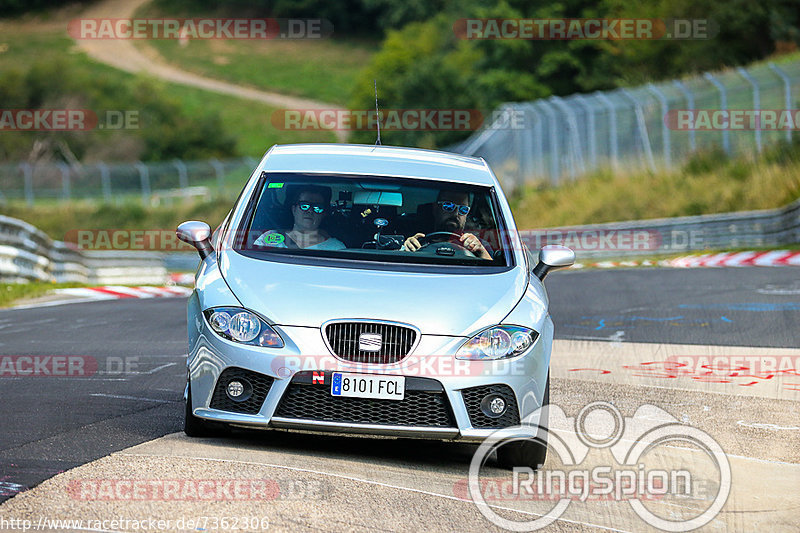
449, 207
305, 206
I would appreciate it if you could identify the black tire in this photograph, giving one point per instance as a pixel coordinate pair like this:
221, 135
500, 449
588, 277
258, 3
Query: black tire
530, 453
194, 426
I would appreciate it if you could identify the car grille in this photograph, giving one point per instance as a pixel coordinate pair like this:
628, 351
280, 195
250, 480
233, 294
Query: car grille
472, 401
396, 341
417, 408
251, 405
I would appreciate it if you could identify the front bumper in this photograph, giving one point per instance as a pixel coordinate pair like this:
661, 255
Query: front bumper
431, 369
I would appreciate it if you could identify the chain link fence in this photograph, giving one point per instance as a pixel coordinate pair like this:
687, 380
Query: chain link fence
636, 128
151, 183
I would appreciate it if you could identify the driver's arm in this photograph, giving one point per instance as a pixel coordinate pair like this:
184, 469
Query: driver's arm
412, 243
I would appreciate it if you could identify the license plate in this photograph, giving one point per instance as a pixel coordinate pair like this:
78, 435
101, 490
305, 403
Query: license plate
368, 386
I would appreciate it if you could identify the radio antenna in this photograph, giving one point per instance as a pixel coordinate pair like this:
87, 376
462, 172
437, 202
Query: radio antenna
377, 113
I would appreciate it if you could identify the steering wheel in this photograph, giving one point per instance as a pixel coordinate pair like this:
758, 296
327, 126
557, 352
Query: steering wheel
425, 242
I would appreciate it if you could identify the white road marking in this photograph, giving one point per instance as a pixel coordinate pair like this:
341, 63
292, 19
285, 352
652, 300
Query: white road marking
758, 425
123, 397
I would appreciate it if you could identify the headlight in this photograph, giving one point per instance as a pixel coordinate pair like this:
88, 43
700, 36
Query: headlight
241, 325
497, 342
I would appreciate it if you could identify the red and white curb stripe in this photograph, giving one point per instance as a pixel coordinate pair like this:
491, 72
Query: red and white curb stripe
723, 259
182, 279
738, 259
116, 292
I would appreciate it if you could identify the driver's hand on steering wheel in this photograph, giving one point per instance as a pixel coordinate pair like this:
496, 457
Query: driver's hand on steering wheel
412, 243
473, 244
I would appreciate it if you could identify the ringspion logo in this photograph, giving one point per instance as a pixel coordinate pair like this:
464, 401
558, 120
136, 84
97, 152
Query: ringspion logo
645, 464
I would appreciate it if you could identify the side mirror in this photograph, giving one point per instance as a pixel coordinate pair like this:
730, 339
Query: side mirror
198, 234
553, 257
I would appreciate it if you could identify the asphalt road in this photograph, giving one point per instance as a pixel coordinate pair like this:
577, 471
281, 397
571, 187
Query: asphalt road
51, 424
726, 306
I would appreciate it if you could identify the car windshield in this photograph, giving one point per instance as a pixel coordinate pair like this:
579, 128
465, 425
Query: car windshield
367, 218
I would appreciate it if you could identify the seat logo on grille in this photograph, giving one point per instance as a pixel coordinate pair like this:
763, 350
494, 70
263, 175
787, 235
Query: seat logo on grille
370, 342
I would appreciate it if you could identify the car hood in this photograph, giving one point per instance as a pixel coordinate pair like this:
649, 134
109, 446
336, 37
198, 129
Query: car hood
300, 295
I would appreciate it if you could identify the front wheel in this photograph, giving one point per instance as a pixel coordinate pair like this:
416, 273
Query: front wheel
530, 453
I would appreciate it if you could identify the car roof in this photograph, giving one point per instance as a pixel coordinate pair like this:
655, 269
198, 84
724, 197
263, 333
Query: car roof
363, 159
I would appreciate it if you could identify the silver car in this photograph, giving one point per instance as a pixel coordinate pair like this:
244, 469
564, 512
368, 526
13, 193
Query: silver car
370, 289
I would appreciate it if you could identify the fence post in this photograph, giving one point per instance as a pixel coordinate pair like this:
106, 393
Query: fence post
27, 174
555, 170
756, 103
612, 120
665, 133
575, 142
220, 173
183, 178
645, 138
144, 176
591, 133
105, 180
65, 192
526, 133
538, 142
689, 102
723, 102
787, 94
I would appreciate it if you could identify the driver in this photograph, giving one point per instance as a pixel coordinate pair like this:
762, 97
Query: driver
450, 215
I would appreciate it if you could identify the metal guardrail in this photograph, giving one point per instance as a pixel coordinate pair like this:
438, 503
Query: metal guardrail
743, 229
28, 254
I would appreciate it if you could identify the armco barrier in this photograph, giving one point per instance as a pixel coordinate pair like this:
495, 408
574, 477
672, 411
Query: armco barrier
125, 267
743, 229
28, 254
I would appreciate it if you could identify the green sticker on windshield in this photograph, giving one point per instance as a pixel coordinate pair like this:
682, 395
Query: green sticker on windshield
274, 238
276, 185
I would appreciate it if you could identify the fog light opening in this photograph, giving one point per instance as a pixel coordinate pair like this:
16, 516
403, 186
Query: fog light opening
238, 389
493, 405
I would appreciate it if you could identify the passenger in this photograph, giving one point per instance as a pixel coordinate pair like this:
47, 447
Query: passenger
309, 205
450, 215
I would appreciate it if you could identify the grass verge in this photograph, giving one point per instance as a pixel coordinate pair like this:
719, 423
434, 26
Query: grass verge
708, 183
14, 292
319, 69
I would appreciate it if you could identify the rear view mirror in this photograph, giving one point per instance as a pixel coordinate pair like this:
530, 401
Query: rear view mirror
378, 198
198, 234
553, 257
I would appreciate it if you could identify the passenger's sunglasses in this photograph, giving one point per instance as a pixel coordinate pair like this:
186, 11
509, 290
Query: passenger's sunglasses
449, 207
305, 206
